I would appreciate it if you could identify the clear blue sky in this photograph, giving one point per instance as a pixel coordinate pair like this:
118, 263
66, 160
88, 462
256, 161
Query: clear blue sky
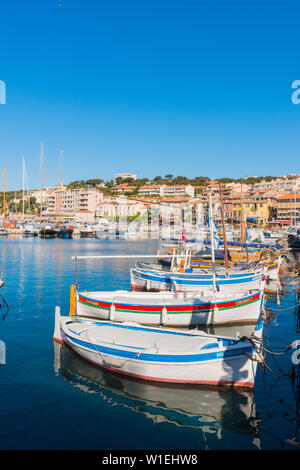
187, 87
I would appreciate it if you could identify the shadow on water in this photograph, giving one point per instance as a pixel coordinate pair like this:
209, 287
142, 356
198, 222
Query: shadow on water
4, 308
211, 410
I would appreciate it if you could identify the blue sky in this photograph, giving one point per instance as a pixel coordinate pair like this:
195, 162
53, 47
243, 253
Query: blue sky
152, 87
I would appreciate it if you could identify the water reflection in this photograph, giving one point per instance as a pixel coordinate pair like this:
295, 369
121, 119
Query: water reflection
210, 410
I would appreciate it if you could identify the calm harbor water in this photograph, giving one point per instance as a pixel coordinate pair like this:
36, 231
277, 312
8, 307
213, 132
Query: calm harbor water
52, 399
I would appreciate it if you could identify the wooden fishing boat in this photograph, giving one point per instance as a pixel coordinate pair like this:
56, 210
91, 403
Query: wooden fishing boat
47, 233
30, 233
151, 279
4, 232
65, 233
87, 233
205, 261
168, 308
157, 354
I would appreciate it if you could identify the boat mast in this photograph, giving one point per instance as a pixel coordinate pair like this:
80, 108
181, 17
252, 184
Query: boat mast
41, 211
4, 196
23, 187
295, 212
242, 218
60, 184
212, 242
224, 229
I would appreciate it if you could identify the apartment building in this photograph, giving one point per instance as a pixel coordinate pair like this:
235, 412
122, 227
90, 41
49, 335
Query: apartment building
120, 207
288, 208
284, 184
69, 202
254, 208
164, 190
123, 189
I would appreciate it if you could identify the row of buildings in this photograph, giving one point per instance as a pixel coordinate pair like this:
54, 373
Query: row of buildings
272, 202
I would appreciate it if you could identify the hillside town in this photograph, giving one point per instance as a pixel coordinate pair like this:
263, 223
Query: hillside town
273, 201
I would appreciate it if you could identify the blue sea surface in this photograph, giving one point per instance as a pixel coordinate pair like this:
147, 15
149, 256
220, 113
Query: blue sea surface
52, 399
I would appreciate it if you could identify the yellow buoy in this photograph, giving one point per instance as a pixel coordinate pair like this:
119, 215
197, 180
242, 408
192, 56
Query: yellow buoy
72, 311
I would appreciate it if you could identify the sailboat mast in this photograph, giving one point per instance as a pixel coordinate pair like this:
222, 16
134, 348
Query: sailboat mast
212, 242
60, 184
242, 217
224, 229
4, 196
23, 184
41, 211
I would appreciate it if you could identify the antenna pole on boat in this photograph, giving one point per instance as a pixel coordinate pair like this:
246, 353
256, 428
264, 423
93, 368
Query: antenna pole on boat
224, 229
41, 211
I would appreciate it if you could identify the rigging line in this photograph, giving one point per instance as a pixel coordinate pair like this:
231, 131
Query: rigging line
283, 309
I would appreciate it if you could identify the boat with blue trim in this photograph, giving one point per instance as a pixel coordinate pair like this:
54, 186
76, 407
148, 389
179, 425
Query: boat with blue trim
154, 279
158, 354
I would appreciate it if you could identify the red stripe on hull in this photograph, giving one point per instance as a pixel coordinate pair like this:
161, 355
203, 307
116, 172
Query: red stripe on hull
170, 308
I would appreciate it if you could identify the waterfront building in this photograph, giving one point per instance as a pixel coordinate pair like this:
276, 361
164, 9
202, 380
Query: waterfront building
288, 208
258, 209
120, 207
84, 216
71, 201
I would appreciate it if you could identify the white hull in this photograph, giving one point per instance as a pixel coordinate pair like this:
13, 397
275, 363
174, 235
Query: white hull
170, 309
221, 364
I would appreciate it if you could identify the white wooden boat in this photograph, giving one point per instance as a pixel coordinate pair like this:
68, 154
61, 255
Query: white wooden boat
147, 278
156, 354
172, 309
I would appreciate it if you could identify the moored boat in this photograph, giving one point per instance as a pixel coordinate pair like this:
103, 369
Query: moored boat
205, 261
87, 234
150, 279
171, 309
157, 354
47, 233
64, 232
